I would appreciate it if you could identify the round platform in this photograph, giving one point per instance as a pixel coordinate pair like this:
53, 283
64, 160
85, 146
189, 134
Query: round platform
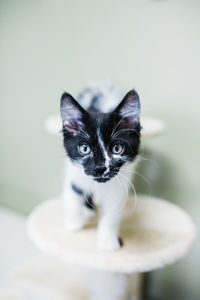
150, 126
157, 234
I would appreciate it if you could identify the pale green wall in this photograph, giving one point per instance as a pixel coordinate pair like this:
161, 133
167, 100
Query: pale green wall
154, 46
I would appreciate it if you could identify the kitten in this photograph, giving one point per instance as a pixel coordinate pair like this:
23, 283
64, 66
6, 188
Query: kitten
101, 137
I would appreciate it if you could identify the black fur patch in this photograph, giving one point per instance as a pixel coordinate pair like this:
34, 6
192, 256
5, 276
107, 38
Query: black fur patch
88, 200
76, 189
120, 241
94, 106
89, 203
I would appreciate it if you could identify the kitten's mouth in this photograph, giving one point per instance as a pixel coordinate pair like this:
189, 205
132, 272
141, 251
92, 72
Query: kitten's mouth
101, 179
105, 178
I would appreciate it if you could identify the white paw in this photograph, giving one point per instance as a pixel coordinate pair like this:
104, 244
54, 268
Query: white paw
109, 242
73, 225
88, 213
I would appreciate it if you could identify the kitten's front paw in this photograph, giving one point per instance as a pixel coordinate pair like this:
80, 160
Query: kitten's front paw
88, 213
73, 225
109, 242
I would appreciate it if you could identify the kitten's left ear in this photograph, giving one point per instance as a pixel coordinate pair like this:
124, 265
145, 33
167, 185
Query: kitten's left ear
129, 108
73, 115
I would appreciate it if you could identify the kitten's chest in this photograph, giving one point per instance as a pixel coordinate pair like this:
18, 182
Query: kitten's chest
75, 174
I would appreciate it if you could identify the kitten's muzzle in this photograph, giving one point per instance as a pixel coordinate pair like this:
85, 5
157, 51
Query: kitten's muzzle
101, 179
99, 170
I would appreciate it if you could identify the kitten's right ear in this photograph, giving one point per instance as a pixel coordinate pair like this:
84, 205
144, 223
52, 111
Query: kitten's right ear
72, 114
129, 109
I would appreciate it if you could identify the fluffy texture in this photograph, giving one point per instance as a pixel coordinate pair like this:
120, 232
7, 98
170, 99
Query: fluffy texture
101, 136
159, 233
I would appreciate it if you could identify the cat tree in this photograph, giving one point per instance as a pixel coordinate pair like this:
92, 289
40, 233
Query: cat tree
156, 234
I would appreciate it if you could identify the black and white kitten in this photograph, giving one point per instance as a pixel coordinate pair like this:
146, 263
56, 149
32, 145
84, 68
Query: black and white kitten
101, 136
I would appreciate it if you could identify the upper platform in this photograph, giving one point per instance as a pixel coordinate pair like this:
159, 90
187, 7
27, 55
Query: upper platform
156, 234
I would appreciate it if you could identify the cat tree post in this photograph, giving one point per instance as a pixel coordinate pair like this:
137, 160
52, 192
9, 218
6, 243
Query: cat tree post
157, 234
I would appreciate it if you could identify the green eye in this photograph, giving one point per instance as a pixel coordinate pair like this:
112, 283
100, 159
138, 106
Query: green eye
84, 149
117, 149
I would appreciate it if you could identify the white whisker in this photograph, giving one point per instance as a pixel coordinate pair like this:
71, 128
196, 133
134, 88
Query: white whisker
125, 116
85, 198
143, 158
133, 188
140, 175
121, 200
123, 130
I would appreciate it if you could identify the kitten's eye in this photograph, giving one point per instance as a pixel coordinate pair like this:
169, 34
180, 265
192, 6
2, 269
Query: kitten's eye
84, 149
117, 149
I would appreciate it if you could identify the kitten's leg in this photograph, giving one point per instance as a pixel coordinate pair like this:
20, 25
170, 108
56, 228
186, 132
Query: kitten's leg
88, 207
111, 211
78, 207
73, 204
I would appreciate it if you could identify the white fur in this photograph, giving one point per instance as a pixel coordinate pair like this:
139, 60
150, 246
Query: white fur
101, 143
111, 197
111, 96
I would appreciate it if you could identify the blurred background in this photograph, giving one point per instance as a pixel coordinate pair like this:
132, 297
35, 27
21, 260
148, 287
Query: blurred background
51, 46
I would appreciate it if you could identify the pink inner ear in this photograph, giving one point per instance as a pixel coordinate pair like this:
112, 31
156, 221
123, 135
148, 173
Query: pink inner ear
73, 126
129, 122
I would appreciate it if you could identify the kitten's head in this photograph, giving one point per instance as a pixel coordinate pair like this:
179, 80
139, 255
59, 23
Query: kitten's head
101, 142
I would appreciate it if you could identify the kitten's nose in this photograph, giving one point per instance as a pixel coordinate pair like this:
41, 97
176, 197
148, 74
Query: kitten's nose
100, 170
